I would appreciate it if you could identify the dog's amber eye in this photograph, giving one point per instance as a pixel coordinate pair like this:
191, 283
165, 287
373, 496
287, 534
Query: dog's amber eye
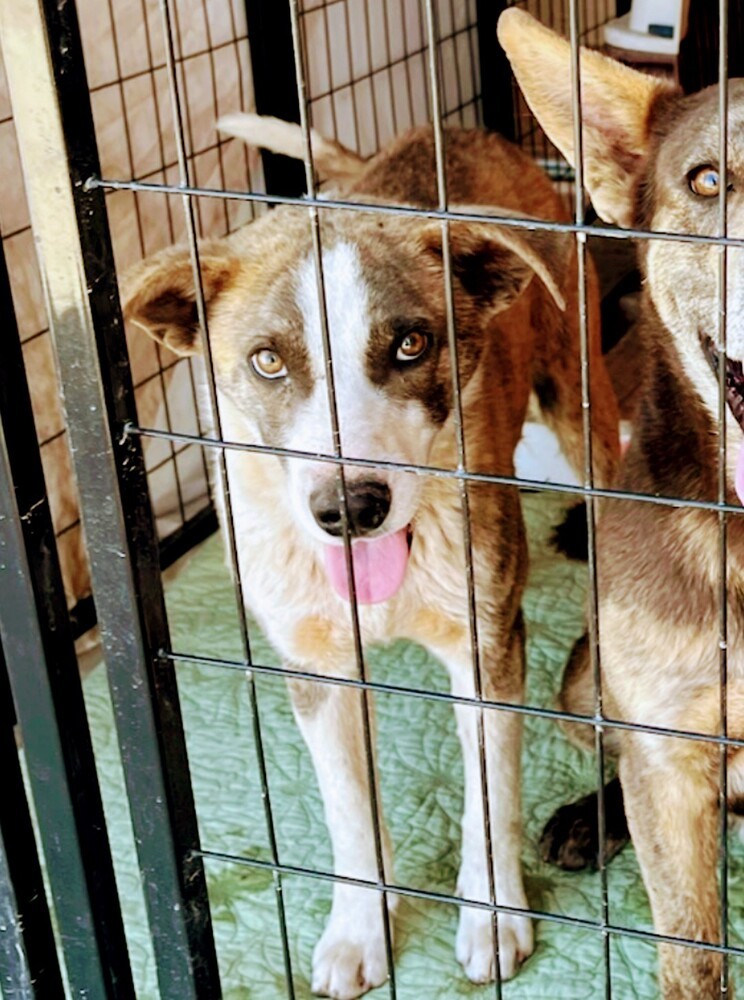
411, 346
268, 364
704, 181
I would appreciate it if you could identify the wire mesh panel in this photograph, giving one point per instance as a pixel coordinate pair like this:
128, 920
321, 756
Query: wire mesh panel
313, 87
294, 305
368, 90
132, 112
131, 106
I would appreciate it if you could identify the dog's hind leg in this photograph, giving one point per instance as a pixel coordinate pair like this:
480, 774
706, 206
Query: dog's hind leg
570, 839
351, 956
503, 733
578, 697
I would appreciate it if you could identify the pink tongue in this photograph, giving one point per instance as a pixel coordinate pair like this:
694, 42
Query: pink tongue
739, 478
379, 567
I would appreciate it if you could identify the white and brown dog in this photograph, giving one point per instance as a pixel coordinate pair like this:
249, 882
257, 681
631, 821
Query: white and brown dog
386, 319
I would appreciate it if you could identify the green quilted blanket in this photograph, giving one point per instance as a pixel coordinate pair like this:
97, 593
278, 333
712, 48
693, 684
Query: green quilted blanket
421, 785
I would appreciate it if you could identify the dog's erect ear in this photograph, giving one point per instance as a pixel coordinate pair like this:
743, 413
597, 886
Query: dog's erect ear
495, 263
159, 295
615, 103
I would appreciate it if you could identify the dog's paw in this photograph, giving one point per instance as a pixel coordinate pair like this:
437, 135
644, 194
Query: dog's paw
570, 839
570, 537
474, 947
349, 960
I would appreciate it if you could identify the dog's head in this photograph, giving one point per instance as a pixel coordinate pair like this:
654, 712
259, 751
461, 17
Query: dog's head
386, 323
651, 161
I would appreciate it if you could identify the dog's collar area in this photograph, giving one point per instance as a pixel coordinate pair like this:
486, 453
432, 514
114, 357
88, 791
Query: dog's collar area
734, 378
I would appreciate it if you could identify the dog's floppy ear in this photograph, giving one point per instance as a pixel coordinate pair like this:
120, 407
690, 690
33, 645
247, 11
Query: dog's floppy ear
615, 103
159, 295
495, 263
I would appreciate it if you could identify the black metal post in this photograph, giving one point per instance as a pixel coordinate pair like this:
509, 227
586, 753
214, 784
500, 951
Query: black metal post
272, 62
46, 689
698, 54
196, 530
28, 957
56, 136
16, 979
497, 89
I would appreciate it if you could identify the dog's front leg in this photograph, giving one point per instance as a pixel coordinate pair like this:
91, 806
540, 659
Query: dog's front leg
351, 956
503, 732
671, 802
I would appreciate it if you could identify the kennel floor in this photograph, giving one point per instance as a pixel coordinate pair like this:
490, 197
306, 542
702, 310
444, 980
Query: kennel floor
421, 784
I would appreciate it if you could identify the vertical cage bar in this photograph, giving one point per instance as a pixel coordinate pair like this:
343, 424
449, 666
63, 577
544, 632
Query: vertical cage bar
29, 967
183, 167
16, 979
722, 476
272, 62
432, 31
352, 87
57, 142
66, 798
329, 72
43, 674
593, 603
130, 160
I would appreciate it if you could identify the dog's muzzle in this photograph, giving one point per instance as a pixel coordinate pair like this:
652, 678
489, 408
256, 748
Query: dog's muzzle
378, 559
734, 380
367, 506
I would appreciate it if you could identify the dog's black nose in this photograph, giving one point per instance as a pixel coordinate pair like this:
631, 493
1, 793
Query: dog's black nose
367, 505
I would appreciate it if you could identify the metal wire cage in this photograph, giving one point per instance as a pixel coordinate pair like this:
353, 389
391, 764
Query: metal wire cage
396, 65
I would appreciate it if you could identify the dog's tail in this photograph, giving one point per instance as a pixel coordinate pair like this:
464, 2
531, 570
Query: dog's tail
332, 161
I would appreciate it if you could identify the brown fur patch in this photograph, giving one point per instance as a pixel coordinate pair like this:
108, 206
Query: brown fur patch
162, 300
434, 628
314, 638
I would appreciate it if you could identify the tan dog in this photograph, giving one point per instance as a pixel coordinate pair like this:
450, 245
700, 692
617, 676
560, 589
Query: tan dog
651, 161
387, 326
